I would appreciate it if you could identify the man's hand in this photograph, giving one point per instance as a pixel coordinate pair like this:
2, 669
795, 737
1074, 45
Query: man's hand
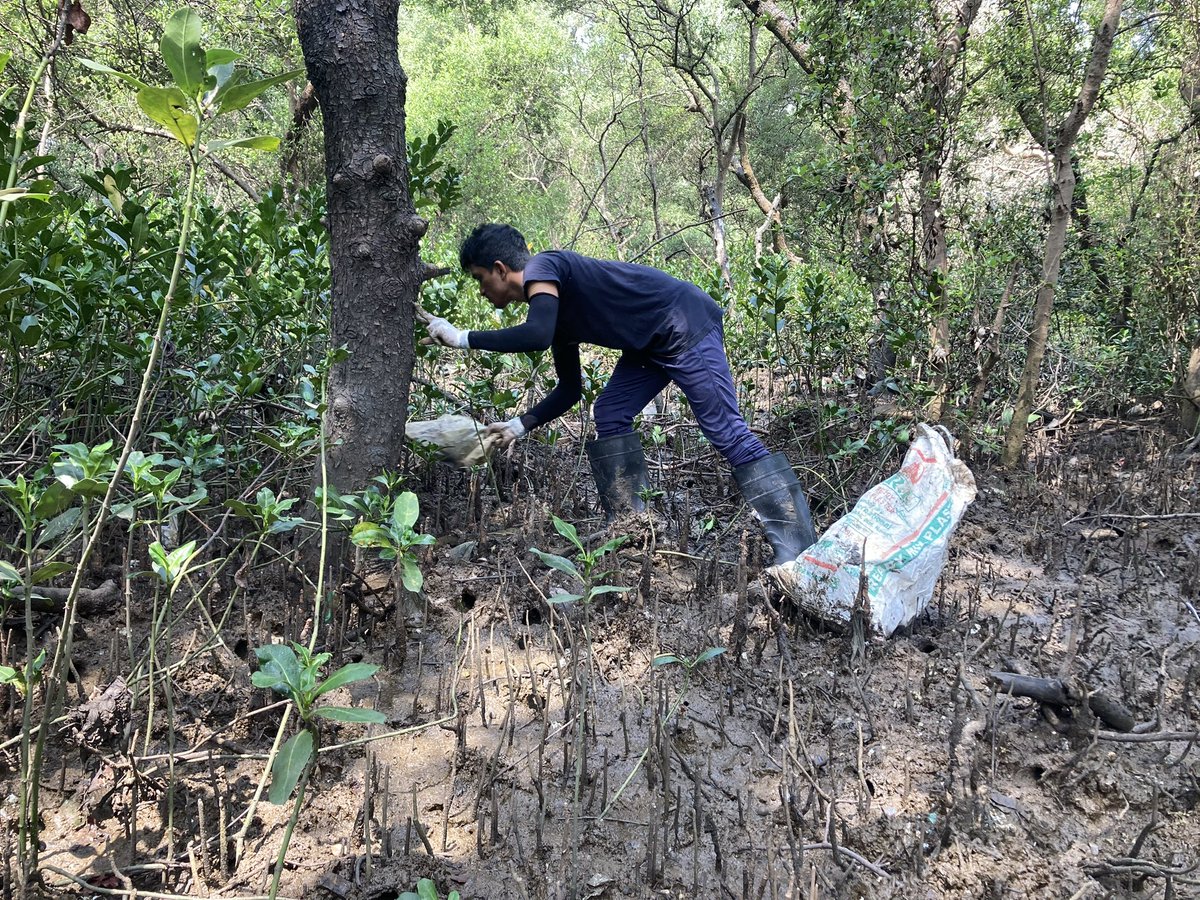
506, 432
442, 332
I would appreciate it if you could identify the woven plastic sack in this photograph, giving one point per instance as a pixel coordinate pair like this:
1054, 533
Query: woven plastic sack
894, 542
459, 438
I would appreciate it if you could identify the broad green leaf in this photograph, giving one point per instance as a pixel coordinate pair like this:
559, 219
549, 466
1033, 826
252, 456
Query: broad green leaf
4, 58
564, 598
567, 530
8, 572
18, 193
58, 526
51, 570
556, 562
57, 498
8, 274
426, 889
289, 766
607, 589
243, 94
369, 534
278, 670
349, 714
169, 108
221, 56
708, 654
108, 70
609, 546
182, 52
347, 674
665, 659
411, 576
405, 511
283, 526
261, 142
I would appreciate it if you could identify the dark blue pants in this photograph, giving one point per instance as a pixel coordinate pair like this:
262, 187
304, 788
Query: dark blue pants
702, 373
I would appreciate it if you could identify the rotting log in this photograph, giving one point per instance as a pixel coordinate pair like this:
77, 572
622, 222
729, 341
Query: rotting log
51, 599
1055, 693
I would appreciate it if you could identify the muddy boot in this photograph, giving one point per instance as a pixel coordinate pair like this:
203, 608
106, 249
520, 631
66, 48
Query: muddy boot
619, 467
774, 493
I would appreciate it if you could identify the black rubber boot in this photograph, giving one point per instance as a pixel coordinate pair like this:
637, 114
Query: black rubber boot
619, 467
774, 493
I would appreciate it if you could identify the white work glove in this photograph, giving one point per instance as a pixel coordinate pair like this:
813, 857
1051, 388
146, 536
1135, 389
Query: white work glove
506, 432
442, 332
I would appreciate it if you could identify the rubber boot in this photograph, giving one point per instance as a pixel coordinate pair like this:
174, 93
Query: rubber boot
619, 467
774, 493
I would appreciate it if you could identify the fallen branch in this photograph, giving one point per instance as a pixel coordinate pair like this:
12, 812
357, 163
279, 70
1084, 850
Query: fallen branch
850, 854
1055, 693
1149, 737
51, 599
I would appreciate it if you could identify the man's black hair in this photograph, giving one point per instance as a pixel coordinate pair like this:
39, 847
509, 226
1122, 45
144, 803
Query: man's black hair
494, 241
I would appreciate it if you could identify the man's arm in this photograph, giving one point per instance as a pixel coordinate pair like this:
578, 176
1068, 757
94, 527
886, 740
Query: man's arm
535, 333
566, 393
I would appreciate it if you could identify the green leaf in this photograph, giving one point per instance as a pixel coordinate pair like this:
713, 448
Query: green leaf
557, 562
567, 530
19, 193
221, 56
405, 511
51, 570
426, 889
241, 95
8, 572
606, 589
369, 534
564, 598
665, 659
279, 669
109, 70
708, 654
411, 576
347, 674
9, 675
169, 108
609, 546
348, 714
55, 500
261, 142
58, 526
4, 58
182, 52
289, 766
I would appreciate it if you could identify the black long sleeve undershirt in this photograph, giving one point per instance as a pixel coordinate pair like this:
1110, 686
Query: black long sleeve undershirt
535, 333
566, 393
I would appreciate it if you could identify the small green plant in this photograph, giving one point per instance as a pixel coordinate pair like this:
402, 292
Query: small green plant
427, 890
395, 538
25, 678
293, 671
585, 567
689, 664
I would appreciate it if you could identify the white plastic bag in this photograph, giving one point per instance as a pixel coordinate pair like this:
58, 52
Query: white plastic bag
899, 530
459, 438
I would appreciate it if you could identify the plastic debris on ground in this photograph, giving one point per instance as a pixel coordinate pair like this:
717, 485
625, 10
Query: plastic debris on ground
894, 542
460, 439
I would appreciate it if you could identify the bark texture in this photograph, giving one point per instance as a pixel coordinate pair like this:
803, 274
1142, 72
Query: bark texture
351, 56
1058, 142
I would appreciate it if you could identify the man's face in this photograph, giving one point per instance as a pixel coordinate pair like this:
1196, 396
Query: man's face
499, 284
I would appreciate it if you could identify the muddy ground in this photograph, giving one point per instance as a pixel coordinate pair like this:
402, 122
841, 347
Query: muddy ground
535, 751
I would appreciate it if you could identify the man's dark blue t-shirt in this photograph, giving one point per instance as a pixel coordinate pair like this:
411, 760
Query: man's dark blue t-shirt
621, 305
